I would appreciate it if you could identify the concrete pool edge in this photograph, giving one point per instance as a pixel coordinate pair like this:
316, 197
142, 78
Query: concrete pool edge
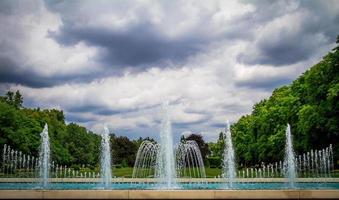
169, 194
149, 180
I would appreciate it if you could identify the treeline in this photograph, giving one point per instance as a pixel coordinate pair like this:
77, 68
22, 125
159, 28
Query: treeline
125, 150
71, 144
20, 128
310, 105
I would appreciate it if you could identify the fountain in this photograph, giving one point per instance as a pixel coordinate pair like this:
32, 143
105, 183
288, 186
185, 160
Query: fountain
145, 160
151, 162
290, 165
168, 161
228, 158
105, 170
44, 158
189, 160
165, 164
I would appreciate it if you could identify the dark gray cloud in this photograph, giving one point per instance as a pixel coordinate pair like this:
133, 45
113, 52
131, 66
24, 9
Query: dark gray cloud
110, 37
11, 72
137, 132
104, 110
318, 26
96, 109
218, 125
84, 108
265, 83
288, 49
78, 118
188, 124
17, 64
141, 44
14, 69
134, 47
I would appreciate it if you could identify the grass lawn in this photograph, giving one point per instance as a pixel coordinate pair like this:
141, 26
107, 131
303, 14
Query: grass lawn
126, 172
212, 172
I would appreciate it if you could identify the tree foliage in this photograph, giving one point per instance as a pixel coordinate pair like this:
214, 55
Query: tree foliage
123, 150
71, 144
310, 104
201, 143
20, 127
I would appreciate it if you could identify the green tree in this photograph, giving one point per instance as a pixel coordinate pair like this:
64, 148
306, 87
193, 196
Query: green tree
20, 128
311, 106
201, 143
123, 150
15, 100
18, 99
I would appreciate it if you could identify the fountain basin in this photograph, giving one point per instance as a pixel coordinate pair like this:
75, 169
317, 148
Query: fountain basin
180, 180
169, 194
183, 184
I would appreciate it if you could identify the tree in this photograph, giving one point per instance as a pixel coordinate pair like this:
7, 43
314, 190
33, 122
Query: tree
310, 105
216, 149
201, 143
82, 146
18, 99
15, 100
20, 128
182, 138
9, 97
123, 151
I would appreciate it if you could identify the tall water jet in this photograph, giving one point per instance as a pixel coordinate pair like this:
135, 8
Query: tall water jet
289, 168
105, 170
165, 169
44, 158
168, 162
228, 158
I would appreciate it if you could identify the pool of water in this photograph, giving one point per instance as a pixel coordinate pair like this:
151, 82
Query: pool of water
181, 186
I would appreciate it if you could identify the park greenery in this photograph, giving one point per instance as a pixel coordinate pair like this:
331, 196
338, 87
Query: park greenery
310, 105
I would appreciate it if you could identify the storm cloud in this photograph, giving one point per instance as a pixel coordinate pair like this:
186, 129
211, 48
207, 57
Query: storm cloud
136, 47
116, 62
291, 31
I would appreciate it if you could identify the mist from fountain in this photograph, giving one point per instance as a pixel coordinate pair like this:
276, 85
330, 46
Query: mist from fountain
229, 158
105, 159
189, 160
168, 161
145, 160
165, 169
44, 158
290, 164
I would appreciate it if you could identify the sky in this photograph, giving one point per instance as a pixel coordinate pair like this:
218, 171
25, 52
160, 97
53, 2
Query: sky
116, 62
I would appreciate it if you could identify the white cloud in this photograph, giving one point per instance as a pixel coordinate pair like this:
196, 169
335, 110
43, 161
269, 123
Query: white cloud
210, 86
25, 33
199, 96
